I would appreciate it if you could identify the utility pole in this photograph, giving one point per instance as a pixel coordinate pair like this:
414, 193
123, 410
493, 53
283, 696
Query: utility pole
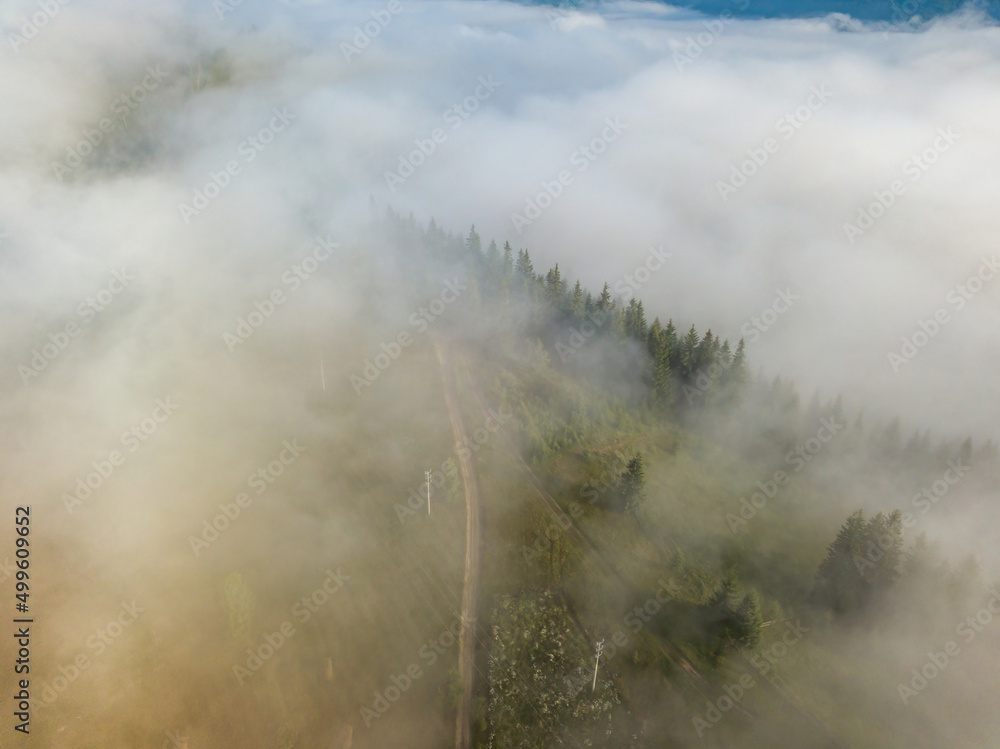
427, 478
600, 649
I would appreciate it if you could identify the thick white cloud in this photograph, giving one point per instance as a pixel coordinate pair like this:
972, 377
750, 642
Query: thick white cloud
693, 98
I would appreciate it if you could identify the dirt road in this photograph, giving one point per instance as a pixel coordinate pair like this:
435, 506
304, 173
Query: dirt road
470, 591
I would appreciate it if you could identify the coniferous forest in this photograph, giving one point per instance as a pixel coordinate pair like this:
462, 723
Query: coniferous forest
706, 525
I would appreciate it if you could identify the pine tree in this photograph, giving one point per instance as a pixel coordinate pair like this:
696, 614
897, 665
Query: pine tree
725, 355
604, 302
635, 320
720, 620
839, 586
689, 353
727, 593
863, 562
634, 483
705, 353
670, 342
474, 243
524, 272
555, 291
493, 256
663, 381
884, 547
654, 340
577, 305
738, 369
747, 622
508, 262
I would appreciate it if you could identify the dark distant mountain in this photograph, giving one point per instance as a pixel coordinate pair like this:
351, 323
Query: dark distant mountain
902, 13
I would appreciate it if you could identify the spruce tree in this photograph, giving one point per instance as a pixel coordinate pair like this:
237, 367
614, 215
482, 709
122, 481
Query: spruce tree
747, 622
839, 585
670, 342
738, 369
705, 352
663, 381
635, 483
654, 340
493, 256
507, 270
524, 270
725, 355
604, 302
577, 305
689, 353
474, 243
639, 327
864, 562
554, 287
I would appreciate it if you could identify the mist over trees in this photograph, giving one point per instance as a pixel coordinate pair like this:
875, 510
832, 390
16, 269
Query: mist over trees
644, 412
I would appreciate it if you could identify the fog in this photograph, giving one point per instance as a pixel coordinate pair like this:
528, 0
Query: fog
170, 169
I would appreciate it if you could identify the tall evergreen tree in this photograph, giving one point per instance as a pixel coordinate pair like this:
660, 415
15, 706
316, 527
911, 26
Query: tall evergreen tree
577, 305
863, 562
654, 340
747, 622
725, 355
555, 291
663, 381
721, 621
671, 343
474, 243
705, 352
493, 256
635, 320
634, 483
737, 373
839, 586
524, 270
689, 353
604, 301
